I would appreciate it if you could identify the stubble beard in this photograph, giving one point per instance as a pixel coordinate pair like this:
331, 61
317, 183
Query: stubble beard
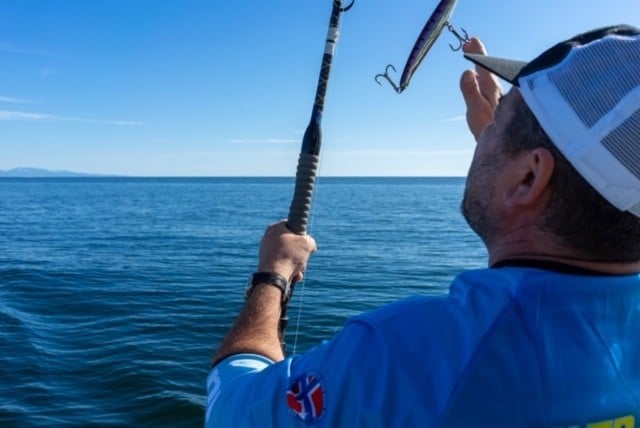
478, 193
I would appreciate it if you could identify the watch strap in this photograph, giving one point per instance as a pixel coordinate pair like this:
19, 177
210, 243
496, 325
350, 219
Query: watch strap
270, 278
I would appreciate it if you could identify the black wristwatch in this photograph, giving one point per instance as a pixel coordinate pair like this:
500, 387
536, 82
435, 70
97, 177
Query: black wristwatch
269, 278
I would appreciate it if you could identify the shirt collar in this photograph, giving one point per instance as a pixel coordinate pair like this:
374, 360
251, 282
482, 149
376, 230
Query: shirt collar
549, 265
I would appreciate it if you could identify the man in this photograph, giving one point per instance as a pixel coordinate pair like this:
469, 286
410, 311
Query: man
548, 335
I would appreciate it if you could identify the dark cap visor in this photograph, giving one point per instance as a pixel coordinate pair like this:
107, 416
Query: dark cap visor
507, 69
511, 70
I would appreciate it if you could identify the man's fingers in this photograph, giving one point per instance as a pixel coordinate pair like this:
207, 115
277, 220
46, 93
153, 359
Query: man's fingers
474, 46
313, 247
488, 83
479, 110
481, 91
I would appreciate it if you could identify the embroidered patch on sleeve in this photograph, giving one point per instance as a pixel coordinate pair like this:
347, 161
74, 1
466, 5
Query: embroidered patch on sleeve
306, 398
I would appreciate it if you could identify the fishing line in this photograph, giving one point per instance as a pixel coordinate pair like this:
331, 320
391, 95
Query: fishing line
309, 158
312, 215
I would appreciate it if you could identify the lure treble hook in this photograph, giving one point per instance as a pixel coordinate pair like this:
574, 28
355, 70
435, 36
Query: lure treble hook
462, 39
386, 76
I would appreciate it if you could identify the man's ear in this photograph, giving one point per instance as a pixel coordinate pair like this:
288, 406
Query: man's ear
532, 171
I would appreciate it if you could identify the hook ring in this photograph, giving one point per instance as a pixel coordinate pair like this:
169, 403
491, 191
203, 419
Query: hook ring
346, 8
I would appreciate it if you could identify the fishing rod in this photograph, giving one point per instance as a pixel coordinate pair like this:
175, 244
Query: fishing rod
437, 22
309, 158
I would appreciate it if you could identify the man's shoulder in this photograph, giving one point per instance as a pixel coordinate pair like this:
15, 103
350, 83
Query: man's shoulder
491, 288
476, 298
456, 320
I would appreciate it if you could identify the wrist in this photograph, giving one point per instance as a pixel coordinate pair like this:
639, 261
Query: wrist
265, 294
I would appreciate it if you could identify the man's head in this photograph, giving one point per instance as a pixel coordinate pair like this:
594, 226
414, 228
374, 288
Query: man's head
579, 102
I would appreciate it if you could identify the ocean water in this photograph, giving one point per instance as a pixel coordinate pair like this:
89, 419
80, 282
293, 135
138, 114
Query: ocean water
115, 292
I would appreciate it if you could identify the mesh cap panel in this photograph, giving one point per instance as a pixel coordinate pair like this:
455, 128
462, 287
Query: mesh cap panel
622, 143
581, 83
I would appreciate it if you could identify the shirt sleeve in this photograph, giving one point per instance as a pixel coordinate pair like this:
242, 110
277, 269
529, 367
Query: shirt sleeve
248, 390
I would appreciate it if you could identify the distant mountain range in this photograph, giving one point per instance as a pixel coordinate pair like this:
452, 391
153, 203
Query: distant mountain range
39, 172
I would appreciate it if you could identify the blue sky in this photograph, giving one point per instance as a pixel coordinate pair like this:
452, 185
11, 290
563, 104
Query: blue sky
213, 88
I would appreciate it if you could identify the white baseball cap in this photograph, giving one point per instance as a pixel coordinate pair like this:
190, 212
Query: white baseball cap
585, 93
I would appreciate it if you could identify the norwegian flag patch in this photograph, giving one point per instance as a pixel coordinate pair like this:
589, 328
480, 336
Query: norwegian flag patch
306, 398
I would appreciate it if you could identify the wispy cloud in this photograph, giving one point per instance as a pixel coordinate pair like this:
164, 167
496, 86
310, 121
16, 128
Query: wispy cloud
19, 115
404, 153
11, 115
13, 100
263, 141
13, 48
454, 118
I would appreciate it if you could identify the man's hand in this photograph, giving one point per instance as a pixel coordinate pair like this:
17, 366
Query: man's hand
284, 252
481, 91
255, 330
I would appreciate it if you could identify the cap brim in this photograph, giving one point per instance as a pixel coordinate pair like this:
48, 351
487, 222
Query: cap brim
507, 69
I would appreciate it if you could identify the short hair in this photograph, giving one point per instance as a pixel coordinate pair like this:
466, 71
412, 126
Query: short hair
576, 214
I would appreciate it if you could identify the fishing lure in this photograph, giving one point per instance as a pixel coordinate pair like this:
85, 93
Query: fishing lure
437, 22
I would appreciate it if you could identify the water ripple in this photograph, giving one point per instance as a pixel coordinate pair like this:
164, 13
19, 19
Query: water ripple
114, 293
